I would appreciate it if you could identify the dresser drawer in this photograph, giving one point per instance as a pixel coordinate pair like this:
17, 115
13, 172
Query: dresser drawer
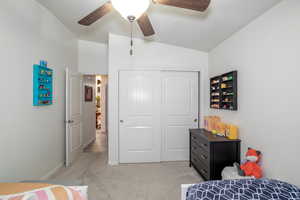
210, 154
201, 167
198, 151
202, 142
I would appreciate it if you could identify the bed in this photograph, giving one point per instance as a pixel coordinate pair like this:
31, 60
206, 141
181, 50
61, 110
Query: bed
41, 191
245, 189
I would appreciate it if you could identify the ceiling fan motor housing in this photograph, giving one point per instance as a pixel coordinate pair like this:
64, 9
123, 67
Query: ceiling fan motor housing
131, 18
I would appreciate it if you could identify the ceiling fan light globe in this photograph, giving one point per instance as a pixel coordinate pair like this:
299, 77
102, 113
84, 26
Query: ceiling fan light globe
131, 7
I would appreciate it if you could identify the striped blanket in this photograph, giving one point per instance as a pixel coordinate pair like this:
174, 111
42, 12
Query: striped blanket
34, 191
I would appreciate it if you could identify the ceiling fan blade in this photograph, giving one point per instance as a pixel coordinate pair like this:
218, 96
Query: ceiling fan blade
198, 5
145, 25
97, 14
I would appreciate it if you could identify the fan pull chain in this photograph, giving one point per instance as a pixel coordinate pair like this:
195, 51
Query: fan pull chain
131, 41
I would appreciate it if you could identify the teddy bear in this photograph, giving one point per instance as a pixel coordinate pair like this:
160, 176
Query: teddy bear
251, 167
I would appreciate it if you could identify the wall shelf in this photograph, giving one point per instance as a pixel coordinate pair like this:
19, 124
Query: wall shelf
42, 85
223, 91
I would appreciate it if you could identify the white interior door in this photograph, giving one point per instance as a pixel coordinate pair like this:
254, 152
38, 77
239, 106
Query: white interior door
73, 115
139, 103
179, 113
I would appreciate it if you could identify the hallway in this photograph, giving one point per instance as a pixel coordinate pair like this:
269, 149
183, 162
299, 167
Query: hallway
99, 145
153, 181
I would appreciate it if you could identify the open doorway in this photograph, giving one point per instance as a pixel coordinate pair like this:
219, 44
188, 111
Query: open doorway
101, 108
95, 113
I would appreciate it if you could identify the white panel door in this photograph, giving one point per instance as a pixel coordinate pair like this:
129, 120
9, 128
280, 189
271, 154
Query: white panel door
73, 116
179, 113
139, 101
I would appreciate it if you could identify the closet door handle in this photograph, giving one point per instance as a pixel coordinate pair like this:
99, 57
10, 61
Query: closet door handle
121, 121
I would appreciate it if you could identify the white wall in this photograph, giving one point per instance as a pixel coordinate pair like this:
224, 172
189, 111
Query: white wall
92, 58
89, 112
147, 55
266, 55
32, 138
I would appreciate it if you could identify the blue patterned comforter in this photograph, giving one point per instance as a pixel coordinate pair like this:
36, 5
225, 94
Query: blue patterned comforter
246, 189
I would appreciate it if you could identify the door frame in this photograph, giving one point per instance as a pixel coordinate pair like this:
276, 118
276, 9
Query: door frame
200, 113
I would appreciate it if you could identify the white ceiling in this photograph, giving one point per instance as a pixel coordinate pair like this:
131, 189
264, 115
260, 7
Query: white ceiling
201, 31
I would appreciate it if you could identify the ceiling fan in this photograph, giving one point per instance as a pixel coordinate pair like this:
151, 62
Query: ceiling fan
135, 10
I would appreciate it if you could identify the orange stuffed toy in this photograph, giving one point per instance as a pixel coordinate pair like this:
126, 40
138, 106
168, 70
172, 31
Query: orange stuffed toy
251, 167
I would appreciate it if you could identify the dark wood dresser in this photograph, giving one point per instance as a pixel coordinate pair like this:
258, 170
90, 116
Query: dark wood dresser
209, 154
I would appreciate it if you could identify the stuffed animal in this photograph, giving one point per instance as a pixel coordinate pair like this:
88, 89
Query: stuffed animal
251, 167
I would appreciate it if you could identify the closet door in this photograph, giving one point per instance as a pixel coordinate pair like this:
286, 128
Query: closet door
179, 113
139, 107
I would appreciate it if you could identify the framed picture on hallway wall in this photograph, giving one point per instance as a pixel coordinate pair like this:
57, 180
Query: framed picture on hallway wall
88, 93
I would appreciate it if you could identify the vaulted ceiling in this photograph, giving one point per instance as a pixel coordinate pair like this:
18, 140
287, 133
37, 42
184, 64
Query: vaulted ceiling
186, 28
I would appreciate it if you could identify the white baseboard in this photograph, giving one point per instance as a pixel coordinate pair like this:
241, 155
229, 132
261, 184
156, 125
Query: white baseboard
53, 171
89, 142
113, 163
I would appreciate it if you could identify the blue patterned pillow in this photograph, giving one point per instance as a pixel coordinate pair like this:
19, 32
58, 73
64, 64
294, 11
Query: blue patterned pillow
245, 189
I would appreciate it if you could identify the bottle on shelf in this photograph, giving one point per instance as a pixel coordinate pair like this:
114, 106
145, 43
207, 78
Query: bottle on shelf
224, 86
228, 93
215, 100
215, 81
227, 100
49, 73
227, 78
42, 72
215, 106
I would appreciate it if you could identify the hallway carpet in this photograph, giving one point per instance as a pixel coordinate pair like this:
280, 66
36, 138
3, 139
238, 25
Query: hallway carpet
157, 181
99, 145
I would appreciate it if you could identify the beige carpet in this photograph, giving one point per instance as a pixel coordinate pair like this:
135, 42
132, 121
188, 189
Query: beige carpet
158, 181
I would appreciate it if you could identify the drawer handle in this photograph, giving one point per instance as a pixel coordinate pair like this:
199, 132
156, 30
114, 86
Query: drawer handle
203, 171
204, 157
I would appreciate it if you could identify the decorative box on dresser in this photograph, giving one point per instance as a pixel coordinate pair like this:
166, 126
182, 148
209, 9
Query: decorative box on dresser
210, 154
